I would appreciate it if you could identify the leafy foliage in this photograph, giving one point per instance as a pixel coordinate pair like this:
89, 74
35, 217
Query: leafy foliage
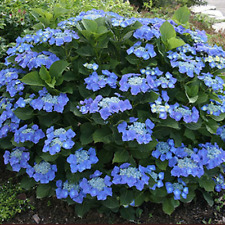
111, 112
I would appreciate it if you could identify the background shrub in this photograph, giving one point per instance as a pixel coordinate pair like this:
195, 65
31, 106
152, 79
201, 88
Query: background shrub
112, 112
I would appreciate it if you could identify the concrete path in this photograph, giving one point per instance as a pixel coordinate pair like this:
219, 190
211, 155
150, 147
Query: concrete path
214, 9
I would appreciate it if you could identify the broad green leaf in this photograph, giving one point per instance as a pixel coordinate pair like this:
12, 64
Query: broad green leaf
128, 213
90, 25
27, 183
111, 203
43, 190
162, 165
147, 147
103, 134
121, 156
49, 158
33, 78
167, 31
23, 113
169, 205
175, 43
57, 68
169, 122
219, 118
189, 134
86, 131
194, 126
82, 209
191, 91
207, 183
208, 197
126, 197
139, 198
44, 74
182, 15
85, 51
212, 126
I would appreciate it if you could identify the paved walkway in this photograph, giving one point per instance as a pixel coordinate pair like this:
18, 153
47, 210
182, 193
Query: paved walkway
214, 9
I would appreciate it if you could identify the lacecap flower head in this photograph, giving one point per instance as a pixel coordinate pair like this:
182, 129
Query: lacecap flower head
18, 158
82, 160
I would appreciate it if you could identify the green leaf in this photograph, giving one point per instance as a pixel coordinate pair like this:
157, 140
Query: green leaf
82, 209
194, 126
175, 43
86, 130
189, 134
191, 91
121, 156
162, 165
23, 113
103, 134
43, 190
48, 158
147, 147
182, 15
57, 68
208, 197
139, 198
167, 31
169, 205
128, 213
219, 118
48, 119
111, 203
90, 25
169, 122
85, 51
126, 197
212, 126
207, 183
27, 183
44, 74
33, 78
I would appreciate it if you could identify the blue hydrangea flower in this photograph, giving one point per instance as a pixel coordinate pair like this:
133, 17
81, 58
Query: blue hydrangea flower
158, 178
136, 130
179, 189
219, 181
8, 120
146, 52
167, 81
49, 102
146, 32
214, 82
105, 106
215, 61
209, 155
221, 132
95, 82
32, 134
214, 108
136, 83
161, 108
188, 115
18, 158
164, 150
82, 160
91, 66
21, 102
97, 186
57, 139
65, 189
42, 172
189, 66
125, 174
122, 22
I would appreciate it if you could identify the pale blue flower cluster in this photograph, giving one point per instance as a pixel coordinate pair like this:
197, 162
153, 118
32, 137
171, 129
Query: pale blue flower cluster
189, 115
57, 139
221, 132
82, 160
96, 82
146, 52
214, 107
42, 172
214, 82
33, 60
134, 130
133, 177
210, 155
179, 189
25, 133
158, 178
9, 122
97, 186
9, 79
215, 61
146, 32
220, 183
18, 158
105, 106
73, 190
49, 102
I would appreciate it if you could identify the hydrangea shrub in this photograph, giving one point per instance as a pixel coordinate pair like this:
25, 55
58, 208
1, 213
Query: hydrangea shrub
113, 112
